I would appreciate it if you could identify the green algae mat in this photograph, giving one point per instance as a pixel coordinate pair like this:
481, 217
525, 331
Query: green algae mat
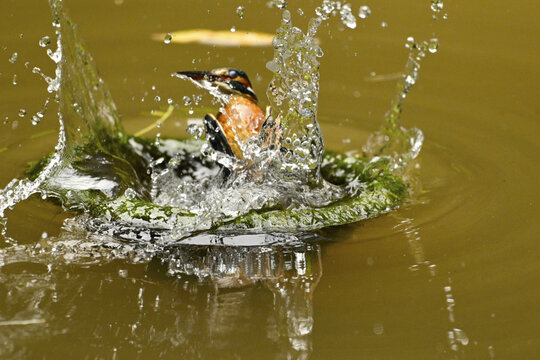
373, 190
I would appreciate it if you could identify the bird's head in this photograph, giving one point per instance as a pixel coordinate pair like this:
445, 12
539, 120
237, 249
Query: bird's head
229, 81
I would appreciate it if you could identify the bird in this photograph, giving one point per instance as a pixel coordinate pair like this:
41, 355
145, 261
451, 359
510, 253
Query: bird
241, 117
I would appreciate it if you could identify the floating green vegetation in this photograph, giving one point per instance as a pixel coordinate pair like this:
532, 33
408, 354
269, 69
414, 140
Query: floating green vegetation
373, 191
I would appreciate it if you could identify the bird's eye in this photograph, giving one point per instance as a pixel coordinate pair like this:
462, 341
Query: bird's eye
233, 74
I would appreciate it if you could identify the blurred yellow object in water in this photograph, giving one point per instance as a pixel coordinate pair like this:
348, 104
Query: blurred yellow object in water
217, 37
164, 116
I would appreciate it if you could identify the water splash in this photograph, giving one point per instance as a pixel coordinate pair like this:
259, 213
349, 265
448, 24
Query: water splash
13, 58
393, 140
293, 93
280, 4
294, 89
19, 190
364, 12
281, 169
44, 41
240, 11
437, 6
86, 114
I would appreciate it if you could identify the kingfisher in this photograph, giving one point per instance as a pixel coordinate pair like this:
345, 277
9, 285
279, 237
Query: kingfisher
241, 117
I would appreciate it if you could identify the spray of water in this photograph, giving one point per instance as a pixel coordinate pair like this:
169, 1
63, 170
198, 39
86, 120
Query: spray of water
280, 169
283, 166
86, 115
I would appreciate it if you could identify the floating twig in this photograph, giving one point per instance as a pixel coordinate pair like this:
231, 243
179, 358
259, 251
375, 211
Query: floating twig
217, 38
22, 322
158, 122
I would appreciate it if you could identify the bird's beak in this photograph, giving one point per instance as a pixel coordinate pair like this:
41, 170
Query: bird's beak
200, 75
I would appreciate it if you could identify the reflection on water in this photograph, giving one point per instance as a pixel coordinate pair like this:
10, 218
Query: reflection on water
457, 338
186, 299
203, 297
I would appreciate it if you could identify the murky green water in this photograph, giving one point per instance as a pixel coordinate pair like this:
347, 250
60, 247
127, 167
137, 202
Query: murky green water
453, 275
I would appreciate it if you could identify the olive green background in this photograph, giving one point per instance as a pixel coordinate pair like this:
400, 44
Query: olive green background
469, 238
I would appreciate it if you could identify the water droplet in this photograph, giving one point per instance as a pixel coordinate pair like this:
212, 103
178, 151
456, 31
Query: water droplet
186, 100
14, 81
347, 17
378, 328
410, 80
436, 5
44, 41
13, 58
433, 45
240, 12
170, 101
157, 98
491, 352
233, 29
44, 235
130, 193
195, 130
364, 12
384, 24
461, 336
280, 4
22, 112
300, 12
35, 120
410, 44
168, 38
55, 55
197, 99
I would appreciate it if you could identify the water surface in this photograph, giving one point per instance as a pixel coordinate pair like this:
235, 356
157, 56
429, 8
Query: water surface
452, 275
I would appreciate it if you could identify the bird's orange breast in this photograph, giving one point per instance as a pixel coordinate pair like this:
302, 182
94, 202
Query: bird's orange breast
241, 119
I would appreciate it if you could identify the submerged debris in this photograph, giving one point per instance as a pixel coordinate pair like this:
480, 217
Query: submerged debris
216, 37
